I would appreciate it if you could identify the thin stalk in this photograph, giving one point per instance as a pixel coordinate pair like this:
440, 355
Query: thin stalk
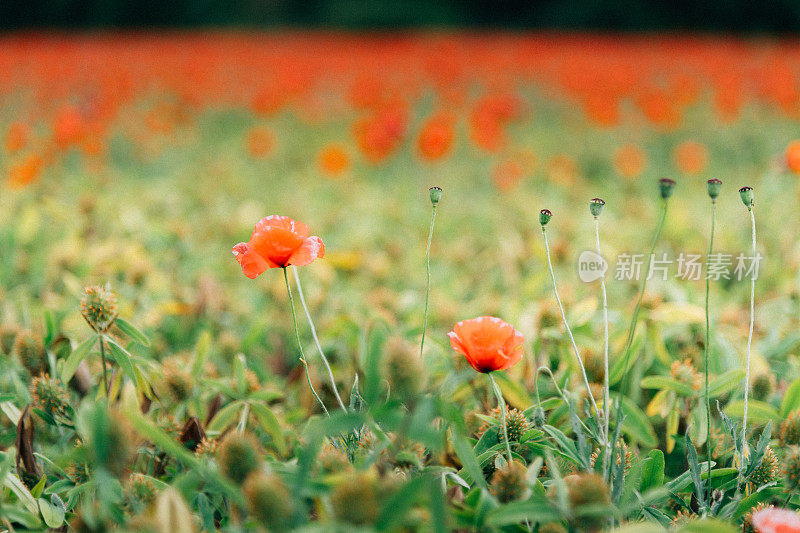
501, 403
707, 350
606, 385
749, 337
103, 358
566, 325
428, 269
316, 339
300, 344
635, 317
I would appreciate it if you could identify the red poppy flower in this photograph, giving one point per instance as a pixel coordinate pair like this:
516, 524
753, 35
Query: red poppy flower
772, 520
277, 241
488, 343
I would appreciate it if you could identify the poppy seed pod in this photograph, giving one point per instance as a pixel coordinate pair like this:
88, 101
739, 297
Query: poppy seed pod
436, 195
713, 186
544, 216
596, 206
747, 196
665, 187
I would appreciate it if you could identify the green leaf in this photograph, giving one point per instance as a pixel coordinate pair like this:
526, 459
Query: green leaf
791, 400
467, 457
37, 490
725, 383
271, 425
537, 509
122, 357
754, 499
652, 471
75, 358
619, 369
53, 515
17, 487
637, 425
694, 470
758, 412
664, 382
224, 417
132, 331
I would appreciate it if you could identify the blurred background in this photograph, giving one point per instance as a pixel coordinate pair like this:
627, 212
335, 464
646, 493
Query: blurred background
637, 15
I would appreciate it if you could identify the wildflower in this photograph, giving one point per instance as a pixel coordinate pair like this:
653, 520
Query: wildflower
49, 395
685, 372
690, 157
488, 343
767, 471
621, 450
509, 482
238, 456
517, 424
332, 460
747, 521
99, 307
775, 520
277, 241
176, 379
629, 161
436, 137
269, 500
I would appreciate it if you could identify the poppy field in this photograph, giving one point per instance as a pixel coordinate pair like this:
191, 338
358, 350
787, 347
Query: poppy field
318, 281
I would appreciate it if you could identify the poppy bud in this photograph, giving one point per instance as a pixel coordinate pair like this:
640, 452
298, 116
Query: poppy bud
596, 206
665, 187
747, 196
713, 186
436, 195
539, 417
544, 216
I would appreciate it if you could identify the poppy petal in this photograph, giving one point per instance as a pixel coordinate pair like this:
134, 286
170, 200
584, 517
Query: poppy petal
252, 264
311, 249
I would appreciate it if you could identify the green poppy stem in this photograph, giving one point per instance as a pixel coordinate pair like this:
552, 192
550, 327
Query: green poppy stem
501, 403
428, 269
707, 351
300, 344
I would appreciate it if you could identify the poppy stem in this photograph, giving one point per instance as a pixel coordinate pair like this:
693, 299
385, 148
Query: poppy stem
316, 338
501, 403
707, 350
103, 359
635, 317
300, 344
749, 338
569, 331
606, 383
428, 269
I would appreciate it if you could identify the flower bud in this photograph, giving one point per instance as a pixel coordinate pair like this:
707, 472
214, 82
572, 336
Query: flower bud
436, 195
665, 187
713, 186
747, 196
509, 483
791, 469
269, 500
596, 206
544, 216
355, 499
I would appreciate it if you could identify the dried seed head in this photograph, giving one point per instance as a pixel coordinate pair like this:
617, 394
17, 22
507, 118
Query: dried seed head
30, 351
596, 206
791, 469
747, 196
436, 195
269, 500
713, 187
544, 217
403, 370
99, 307
665, 187
509, 482
355, 499
238, 456
790, 429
